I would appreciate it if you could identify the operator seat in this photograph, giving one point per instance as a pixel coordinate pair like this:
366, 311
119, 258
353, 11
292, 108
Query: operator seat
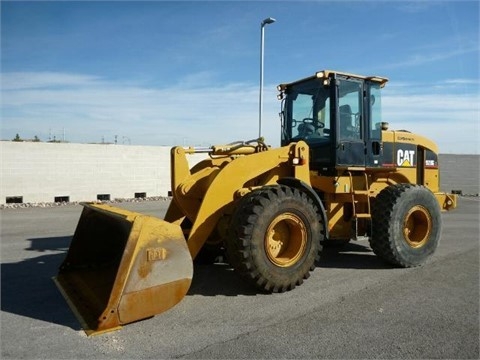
345, 118
346, 129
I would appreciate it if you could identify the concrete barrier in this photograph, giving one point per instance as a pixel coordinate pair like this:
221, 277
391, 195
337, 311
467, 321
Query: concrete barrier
53, 172
460, 173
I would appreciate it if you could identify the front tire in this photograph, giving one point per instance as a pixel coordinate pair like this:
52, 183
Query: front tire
274, 238
406, 225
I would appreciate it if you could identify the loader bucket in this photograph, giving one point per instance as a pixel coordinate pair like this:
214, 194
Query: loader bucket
122, 267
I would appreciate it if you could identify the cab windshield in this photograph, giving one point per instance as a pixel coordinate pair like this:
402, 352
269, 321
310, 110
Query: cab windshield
307, 113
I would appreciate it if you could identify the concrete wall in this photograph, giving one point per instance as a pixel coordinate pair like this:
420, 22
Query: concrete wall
460, 172
39, 172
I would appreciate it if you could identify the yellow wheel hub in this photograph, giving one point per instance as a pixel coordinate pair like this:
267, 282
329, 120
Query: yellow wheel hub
417, 226
286, 240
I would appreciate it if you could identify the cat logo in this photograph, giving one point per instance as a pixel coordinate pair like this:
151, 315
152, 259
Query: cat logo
405, 157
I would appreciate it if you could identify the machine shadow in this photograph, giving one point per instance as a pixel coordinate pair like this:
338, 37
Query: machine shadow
218, 279
353, 255
221, 279
27, 288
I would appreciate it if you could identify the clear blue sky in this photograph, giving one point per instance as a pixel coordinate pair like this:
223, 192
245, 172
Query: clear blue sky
167, 73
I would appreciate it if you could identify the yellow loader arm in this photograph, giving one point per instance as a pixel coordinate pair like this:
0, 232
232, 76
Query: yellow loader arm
211, 189
124, 266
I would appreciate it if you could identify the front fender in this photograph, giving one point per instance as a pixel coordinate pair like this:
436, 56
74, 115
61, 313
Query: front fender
308, 190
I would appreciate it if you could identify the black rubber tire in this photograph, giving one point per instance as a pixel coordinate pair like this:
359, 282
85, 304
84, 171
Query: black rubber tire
406, 225
269, 216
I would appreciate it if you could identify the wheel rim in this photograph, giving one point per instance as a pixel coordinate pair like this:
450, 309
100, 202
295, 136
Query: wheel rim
417, 226
285, 240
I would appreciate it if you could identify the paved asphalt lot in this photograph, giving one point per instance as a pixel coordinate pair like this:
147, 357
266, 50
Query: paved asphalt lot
353, 305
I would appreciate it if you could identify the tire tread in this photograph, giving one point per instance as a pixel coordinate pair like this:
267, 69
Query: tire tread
239, 246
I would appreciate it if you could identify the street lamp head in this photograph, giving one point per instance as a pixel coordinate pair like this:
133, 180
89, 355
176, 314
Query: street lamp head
268, 21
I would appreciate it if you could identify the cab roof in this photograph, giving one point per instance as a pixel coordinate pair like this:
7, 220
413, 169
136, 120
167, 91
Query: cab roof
324, 74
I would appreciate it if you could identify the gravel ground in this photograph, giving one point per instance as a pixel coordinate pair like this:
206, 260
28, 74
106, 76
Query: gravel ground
353, 306
57, 204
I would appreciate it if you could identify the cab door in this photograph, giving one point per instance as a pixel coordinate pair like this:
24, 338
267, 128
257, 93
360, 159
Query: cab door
373, 107
350, 134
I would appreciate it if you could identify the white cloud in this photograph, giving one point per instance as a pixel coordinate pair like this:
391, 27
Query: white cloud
35, 80
91, 108
451, 119
425, 58
194, 112
417, 6
462, 82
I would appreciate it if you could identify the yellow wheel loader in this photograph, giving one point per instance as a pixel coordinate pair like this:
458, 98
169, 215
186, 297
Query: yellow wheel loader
339, 175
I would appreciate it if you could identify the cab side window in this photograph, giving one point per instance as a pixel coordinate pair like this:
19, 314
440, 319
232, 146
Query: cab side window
350, 110
375, 111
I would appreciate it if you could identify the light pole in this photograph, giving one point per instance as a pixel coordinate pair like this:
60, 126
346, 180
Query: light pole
260, 110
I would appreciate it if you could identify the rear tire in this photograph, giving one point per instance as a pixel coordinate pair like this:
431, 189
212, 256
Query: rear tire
406, 225
274, 238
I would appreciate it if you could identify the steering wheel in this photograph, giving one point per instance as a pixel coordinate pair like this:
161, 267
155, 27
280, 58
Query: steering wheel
311, 121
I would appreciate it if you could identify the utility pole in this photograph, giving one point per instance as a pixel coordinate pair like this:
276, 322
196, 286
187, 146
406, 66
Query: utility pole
266, 21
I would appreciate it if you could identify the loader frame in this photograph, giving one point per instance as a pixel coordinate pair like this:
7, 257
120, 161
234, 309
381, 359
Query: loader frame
269, 210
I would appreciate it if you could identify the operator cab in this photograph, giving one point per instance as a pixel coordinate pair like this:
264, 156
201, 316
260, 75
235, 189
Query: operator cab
338, 115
